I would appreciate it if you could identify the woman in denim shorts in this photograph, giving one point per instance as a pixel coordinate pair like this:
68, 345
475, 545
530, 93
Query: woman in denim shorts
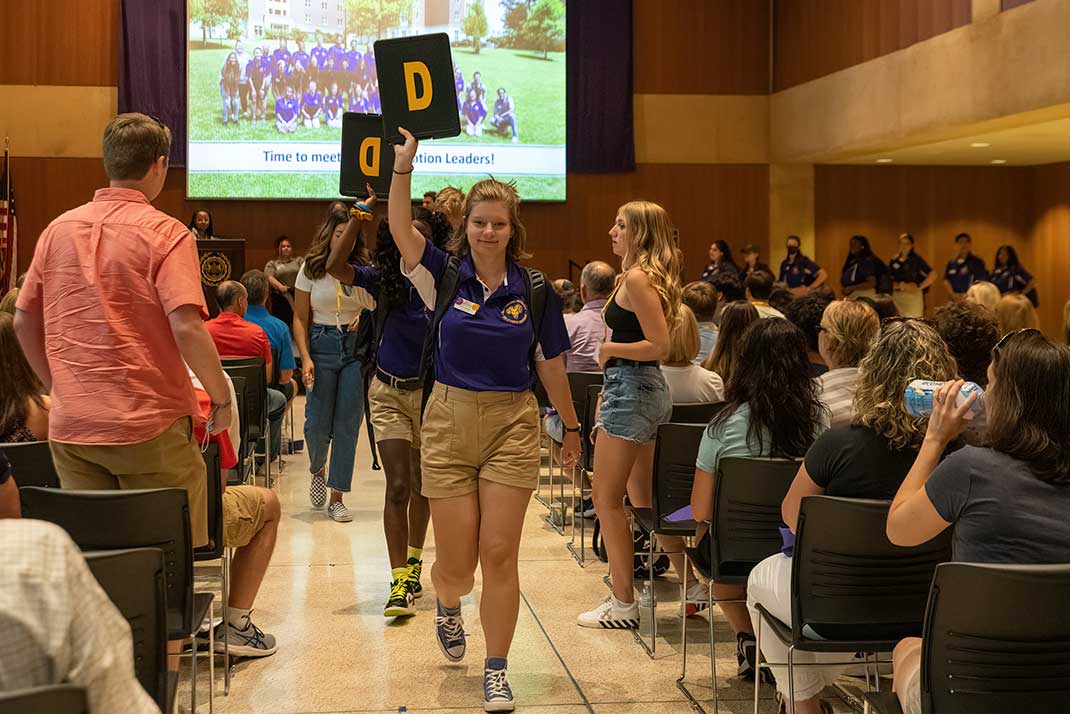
635, 398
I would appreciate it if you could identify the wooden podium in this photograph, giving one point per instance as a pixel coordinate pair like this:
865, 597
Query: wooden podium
221, 259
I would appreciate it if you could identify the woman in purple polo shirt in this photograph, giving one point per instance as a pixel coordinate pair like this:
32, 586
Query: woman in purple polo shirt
474, 113
394, 395
480, 433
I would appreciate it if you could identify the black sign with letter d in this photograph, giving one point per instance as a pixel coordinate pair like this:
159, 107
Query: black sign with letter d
416, 86
366, 156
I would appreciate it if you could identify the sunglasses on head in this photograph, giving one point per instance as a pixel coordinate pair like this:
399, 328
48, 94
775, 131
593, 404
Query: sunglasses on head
1006, 338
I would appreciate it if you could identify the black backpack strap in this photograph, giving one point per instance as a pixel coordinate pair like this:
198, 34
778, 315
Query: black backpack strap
536, 286
445, 294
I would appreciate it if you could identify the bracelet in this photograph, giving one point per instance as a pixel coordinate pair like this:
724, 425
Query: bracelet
572, 431
362, 207
358, 214
402, 173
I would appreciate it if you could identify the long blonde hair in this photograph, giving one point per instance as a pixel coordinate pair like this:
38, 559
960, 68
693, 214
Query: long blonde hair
1015, 312
984, 293
654, 250
492, 190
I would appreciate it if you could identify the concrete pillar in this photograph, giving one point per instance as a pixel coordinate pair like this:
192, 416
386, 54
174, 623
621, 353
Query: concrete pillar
791, 209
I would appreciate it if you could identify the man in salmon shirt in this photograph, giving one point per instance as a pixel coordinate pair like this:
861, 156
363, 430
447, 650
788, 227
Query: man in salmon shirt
111, 307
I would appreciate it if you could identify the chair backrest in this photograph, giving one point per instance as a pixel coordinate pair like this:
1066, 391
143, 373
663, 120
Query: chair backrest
134, 580
214, 549
587, 420
996, 640
243, 416
746, 513
578, 382
252, 370
51, 699
674, 467
111, 520
849, 581
31, 464
695, 413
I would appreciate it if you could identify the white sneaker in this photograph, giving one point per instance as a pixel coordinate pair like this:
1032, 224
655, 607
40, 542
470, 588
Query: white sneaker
611, 614
696, 599
338, 512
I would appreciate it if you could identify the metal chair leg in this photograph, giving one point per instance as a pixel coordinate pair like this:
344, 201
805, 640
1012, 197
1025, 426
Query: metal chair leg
226, 621
193, 674
758, 671
791, 677
713, 651
211, 663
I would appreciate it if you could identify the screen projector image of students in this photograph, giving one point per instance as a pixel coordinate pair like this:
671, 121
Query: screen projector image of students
367, 158
416, 83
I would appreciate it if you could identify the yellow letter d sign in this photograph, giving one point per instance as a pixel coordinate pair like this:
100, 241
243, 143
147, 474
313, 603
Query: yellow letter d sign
422, 101
369, 155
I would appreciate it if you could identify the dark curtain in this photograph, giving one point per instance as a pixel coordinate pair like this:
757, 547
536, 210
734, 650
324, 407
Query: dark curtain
152, 65
599, 45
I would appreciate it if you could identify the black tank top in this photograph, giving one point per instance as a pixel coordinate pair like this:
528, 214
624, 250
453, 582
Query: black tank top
624, 323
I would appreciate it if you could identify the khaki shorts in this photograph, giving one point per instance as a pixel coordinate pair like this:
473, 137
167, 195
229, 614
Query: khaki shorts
469, 436
243, 515
395, 413
171, 460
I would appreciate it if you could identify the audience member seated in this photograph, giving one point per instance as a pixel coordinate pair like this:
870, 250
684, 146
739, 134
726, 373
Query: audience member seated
1015, 312
688, 382
868, 458
970, 331
806, 313
781, 296
759, 287
23, 402
883, 305
10, 505
736, 317
7, 304
729, 289
1007, 501
570, 299
58, 626
772, 411
701, 297
236, 337
848, 328
984, 293
256, 287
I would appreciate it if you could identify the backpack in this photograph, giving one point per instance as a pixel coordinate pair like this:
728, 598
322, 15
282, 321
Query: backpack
535, 292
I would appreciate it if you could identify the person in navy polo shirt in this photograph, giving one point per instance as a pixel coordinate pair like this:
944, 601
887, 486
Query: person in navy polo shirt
799, 272
312, 106
395, 394
859, 273
911, 277
480, 433
286, 110
964, 269
1009, 276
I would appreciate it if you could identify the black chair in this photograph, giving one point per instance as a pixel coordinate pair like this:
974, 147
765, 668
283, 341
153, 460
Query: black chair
243, 430
996, 640
695, 413
251, 369
31, 464
674, 473
134, 580
51, 699
216, 549
578, 383
744, 530
150, 518
587, 421
851, 587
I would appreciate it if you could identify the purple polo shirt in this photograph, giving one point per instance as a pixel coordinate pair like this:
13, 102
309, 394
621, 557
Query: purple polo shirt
488, 351
586, 331
333, 105
338, 53
281, 54
402, 343
285, 109
474, 111
299, 58
319, 56
311, 102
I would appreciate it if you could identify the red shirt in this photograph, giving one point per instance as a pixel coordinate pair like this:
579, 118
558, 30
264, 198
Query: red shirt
237, 337
227, 458
104, 278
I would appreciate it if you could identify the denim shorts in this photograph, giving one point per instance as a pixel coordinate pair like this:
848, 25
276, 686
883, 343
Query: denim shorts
635, 402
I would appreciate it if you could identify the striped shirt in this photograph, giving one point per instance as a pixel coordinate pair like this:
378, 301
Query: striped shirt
838, 393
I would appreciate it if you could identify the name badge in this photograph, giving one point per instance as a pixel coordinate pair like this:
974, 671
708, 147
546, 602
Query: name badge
466, 306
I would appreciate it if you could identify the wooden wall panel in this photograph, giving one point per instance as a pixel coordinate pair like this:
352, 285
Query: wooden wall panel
934, 203
1050, 236
1009, 4
705, 201
60, 42
18, 42
707, 47
813, 38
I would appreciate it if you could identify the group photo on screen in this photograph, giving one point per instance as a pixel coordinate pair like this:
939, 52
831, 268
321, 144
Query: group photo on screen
271, 70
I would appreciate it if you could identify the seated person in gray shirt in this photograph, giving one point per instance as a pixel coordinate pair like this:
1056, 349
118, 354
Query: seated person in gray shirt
1009, 500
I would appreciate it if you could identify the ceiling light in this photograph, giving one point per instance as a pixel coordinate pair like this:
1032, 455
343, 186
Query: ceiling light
999, 161
884, 161
980, 144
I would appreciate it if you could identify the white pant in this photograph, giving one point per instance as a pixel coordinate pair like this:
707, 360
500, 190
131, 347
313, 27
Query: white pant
770, 584
313, 122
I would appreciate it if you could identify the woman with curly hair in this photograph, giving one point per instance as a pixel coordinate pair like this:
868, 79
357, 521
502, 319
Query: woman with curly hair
394, 396
867, 458
642, 312
970, 330
772, 411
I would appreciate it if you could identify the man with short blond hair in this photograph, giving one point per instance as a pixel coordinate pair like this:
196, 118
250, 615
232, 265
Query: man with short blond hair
111, 307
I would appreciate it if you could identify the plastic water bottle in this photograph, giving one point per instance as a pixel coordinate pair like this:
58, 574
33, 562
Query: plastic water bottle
919, 398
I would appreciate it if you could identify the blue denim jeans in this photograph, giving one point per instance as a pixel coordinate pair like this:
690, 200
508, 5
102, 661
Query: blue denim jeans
334, 408
635, 401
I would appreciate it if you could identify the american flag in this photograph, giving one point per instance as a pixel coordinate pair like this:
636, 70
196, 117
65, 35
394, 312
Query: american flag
9, 230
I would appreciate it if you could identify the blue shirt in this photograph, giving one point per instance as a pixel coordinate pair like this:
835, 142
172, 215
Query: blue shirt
311, 101
488, 351
285, 109
964, 272
319, 56
338, 53
402, 343
802, 272
359, 105
857, 270
354, 57
1010, 277
333, 104
912, 269
474, 111
299, 58
278, 334
281, 54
